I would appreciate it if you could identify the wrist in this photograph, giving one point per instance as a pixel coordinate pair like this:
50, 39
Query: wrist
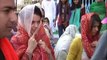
29, 55
29, 51
48, 51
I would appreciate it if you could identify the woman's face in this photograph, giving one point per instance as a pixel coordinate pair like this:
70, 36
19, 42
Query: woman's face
63, 1
35, 23
45, 22
75, 1
95, 28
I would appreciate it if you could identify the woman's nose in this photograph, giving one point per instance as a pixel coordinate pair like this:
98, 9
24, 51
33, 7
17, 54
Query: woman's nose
96, 28
36, 24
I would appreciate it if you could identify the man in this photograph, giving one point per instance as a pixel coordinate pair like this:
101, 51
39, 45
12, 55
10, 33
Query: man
8, 19
101, 50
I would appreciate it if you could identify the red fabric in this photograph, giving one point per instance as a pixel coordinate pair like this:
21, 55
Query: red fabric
20, 42
106, 8
61, 22
8, 50
87, 39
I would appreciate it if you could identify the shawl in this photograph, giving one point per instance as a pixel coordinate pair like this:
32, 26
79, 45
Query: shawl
87, 39
8, 50
20, 43
20, 40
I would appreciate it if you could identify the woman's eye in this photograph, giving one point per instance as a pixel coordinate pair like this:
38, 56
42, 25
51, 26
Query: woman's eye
38, 22
33, 22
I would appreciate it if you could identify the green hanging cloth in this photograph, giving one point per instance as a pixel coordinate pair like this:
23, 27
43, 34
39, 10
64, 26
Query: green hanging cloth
99, 7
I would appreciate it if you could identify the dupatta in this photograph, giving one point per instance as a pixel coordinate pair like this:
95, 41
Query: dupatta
8, 50
20, 43
20, 40
87, 39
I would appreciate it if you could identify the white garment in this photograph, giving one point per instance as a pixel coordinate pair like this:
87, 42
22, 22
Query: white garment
64, 41
25, 17
84, 56
50, 11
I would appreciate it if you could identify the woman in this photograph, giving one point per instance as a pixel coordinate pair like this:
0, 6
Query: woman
77, 10
101, 50
62, 46
90, 27
99, 8
62, 14
31, 41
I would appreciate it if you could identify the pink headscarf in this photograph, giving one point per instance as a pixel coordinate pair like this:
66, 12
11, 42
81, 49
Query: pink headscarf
104, 21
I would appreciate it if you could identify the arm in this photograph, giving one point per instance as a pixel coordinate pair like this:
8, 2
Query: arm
75, 49
57, 12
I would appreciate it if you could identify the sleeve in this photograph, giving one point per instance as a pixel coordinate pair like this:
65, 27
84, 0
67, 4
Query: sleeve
74, 49
61, 55
57, 10
20, 47
100, 50
54, 9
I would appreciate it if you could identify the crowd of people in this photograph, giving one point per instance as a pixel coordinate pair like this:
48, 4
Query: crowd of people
82, 34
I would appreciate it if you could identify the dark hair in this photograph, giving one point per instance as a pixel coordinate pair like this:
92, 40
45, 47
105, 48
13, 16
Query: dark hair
37, 11
96, 18
74, 6
60, 4
46, 20
66, 9
43, 13
61, 1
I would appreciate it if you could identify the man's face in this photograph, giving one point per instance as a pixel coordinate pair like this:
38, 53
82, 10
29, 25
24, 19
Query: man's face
8, 17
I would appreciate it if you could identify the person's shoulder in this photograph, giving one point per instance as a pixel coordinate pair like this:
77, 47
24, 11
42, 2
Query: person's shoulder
77, 40
105, 32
